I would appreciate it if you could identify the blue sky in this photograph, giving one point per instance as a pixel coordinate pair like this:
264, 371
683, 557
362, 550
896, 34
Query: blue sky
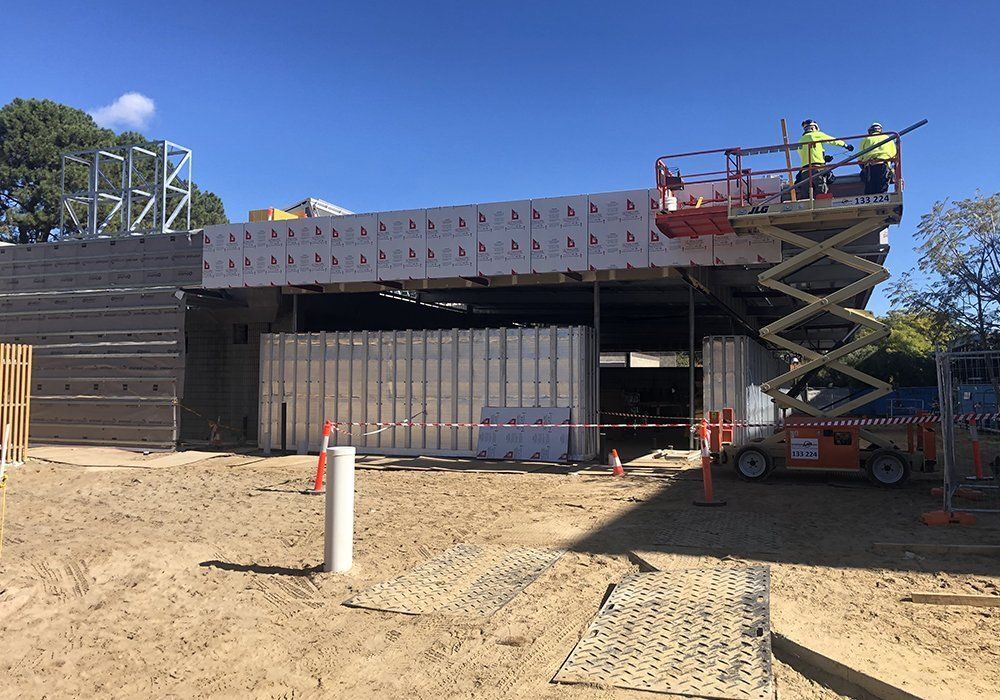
388, 105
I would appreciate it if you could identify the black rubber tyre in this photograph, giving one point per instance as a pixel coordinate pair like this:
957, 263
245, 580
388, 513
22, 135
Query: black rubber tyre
887, 468
753, 464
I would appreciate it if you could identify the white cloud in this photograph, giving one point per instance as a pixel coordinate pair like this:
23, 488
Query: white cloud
133, 110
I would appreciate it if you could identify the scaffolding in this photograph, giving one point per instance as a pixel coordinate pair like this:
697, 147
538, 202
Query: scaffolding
132, 189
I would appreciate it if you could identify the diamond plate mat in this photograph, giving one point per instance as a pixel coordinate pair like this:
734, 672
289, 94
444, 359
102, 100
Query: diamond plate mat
466, 579
700, 632
729, 530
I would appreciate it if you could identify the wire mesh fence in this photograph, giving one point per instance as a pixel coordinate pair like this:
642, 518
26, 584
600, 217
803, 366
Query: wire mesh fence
969, 384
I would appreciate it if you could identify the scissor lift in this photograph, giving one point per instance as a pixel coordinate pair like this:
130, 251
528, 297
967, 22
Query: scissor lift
820, 227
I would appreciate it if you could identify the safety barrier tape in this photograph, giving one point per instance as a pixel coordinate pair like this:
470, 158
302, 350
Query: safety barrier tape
832, 422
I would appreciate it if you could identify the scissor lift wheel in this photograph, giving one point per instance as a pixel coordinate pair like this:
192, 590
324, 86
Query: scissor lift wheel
753, 464
887, 468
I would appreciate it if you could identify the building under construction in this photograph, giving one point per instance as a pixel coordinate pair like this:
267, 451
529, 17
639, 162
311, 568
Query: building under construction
593, 307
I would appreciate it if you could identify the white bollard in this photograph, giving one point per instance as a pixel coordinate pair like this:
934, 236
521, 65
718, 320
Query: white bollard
338, 549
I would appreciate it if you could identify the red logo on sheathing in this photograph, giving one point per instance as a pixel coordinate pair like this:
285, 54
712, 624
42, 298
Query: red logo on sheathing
381, 226
536, 455
318, 258
413, 253
274, 234
461, 222
482, 248
461, 252
570, 211
629, 204
336, 233
593, 208
534, 245
514, 215
364, 231
652, 203
593, 239
514, 245
335, 261
208, 241
481, 454
509, 455
291, 232
413, 224
291, 260
319, 231
430, 254
629, 236
430, 225
628, 265
246, 262
207, 267
381, 255
482, 218
274, 260
592, 268
364, 260
653, 236
535, 214
570, 243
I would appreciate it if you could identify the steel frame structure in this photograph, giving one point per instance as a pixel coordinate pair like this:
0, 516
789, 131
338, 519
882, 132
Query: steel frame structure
132, 189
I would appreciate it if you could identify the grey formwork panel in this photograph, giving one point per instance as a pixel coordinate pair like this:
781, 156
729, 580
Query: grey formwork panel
424, 377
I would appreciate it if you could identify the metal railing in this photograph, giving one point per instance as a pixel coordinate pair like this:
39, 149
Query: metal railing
734, 186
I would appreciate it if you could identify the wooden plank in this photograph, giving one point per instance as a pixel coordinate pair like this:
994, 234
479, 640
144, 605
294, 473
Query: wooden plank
986, 550
6, 372
27, 401
875, 686
982, 601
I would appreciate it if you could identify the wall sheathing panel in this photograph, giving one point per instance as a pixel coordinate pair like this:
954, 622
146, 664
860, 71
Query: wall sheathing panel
107, 327
734, 367
420, 376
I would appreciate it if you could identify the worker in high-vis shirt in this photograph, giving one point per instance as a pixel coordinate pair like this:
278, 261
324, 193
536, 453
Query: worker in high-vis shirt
814, 157
877, 166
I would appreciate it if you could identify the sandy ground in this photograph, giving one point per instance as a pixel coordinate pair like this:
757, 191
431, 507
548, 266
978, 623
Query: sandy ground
200, 579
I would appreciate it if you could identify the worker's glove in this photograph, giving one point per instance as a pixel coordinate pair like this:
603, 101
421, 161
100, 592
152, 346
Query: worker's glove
849, 147
828, 159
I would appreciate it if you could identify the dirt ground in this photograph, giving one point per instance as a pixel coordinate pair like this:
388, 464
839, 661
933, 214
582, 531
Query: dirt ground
132, 577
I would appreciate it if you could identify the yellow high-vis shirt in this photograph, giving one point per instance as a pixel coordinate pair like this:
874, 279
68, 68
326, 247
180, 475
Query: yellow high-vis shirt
887, 151
812, 153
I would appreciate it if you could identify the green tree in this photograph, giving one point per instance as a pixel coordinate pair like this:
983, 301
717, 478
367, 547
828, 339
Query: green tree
906, 357
33, 136
957, 280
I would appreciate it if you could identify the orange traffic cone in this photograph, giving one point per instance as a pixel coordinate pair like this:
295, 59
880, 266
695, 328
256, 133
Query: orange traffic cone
616, 464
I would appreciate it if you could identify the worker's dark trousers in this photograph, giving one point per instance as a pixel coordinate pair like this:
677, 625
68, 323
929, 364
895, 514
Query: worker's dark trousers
876, 177
821, 185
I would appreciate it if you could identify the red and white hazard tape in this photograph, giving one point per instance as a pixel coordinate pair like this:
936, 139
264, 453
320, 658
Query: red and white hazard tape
831, 423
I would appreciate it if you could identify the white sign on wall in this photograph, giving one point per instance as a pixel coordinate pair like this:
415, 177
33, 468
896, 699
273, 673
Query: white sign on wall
451, 241
617, 230
559, 234
503, 245
402, 245
354, 249
307, 251
523, 443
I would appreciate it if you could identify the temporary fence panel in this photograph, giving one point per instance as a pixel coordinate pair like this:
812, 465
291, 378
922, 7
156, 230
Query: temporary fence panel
15, 401
425, 377
734, 367
969, 384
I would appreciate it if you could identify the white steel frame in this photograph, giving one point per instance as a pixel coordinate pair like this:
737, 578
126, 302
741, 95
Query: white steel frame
118, 178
